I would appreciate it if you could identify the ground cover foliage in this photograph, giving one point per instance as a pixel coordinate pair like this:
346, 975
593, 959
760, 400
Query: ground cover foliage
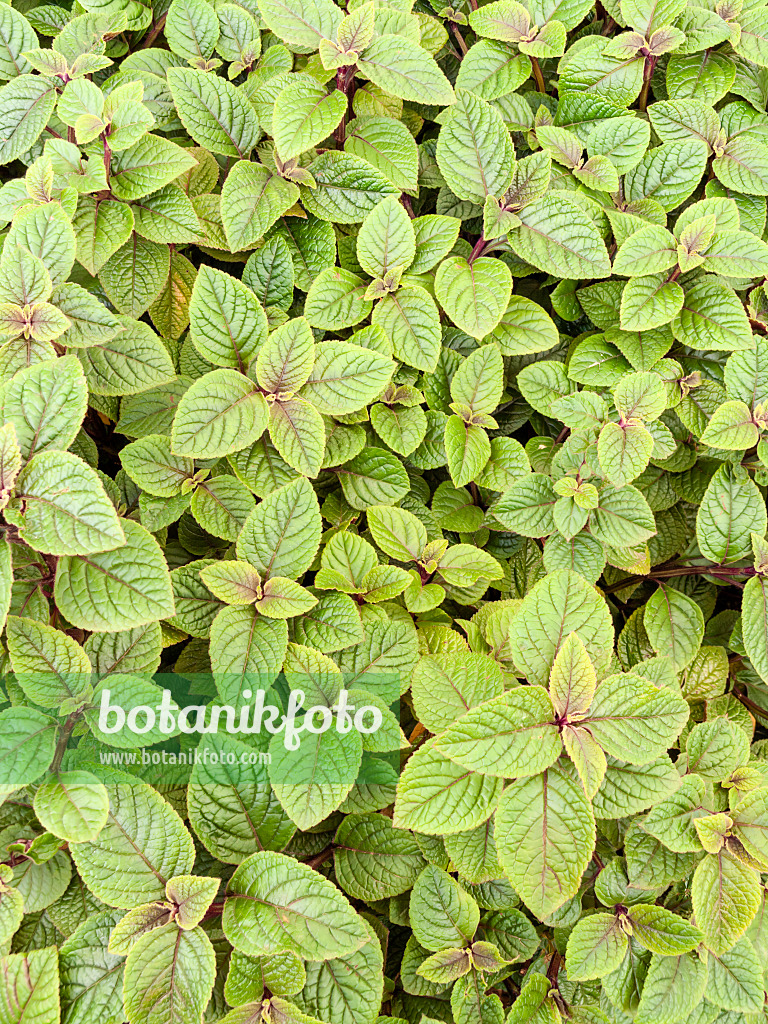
424, 343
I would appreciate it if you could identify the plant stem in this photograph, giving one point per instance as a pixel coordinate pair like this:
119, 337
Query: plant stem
723, 572
107, 155
344, 79
154, 32
539, 78
480, 245
459, 38
64, 736
320, 858
650, 64
750, 705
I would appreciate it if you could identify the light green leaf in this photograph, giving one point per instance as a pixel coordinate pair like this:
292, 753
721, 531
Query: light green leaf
439, 797
511, 736
252, 199
731, 427
220, 413
116, 589
169, 976
386, 239
726, 895
62, 508
143, 845
559, 604
214, 112
558, 237
304, 115
474, 295
410, 319
474, 149
675, 625
544, 874
400, 67
26, 103
276, 903
634, 720
73, 805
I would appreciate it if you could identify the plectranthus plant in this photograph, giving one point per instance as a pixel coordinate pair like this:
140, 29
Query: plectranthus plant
394, 359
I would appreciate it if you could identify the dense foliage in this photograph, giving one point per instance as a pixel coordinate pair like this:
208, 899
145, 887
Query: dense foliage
273, 414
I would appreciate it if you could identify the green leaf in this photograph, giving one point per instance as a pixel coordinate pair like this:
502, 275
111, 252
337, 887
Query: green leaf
439, 797
560, 604
213, 111
544, 874
596, 946
151, 464
624, 451
635, 720
220, 413
527, 506
221, 506
146, 166
674, 624
730, 510
716, 748
732, 428
300, 24
252, 199
467, 449
442, 913
623, 518
374, 477
227, 324
27, 744
50, 667
348, 188
192, 29
401, 67
73, 805
276, 903
386, 239
345, 988
27, 103
31, 982
673, 988
713, 318
479, 381
474, 150
524, 329
474, 295
511, 736
304, 115
667, 174
557, 236
62, 508
169, 976
142, 845
661, 931
735, 979
444, 686
17, 36
337, 299
374, 860
345, 378
231, 805
753, 623
297, 431
411, 320
117, 589
649, 302
388, 146
726, 895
